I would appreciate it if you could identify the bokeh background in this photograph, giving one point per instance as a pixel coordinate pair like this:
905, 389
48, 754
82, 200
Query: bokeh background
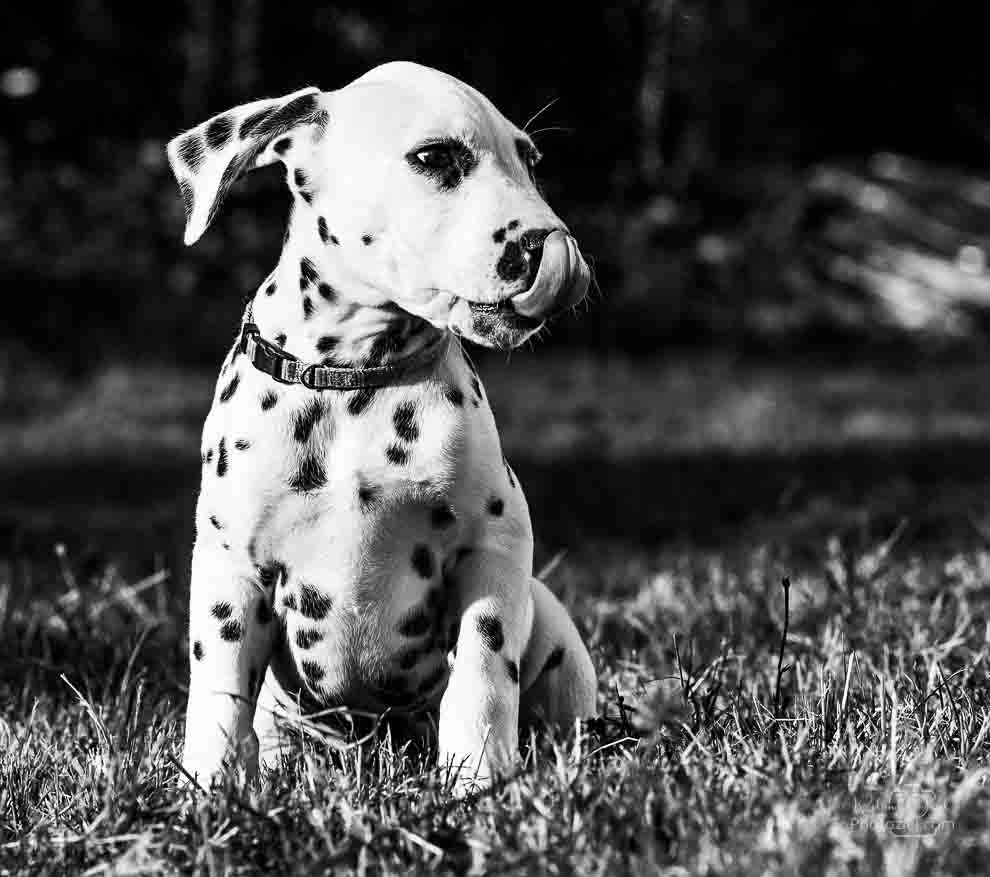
788, 207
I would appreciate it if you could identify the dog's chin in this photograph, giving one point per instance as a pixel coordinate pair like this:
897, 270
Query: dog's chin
492, 325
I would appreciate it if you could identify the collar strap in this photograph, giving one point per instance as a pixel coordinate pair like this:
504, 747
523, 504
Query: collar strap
286, 369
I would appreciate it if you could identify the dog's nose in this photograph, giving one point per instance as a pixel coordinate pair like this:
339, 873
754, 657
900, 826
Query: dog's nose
520, 260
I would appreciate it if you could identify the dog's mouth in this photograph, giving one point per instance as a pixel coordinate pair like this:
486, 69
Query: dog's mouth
560, 283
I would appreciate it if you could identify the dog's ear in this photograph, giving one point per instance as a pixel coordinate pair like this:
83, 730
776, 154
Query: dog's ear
208, 159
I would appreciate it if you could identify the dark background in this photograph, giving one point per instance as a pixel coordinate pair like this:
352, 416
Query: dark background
693, 138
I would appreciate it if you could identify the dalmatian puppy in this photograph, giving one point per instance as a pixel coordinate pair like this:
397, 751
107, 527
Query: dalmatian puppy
361, 540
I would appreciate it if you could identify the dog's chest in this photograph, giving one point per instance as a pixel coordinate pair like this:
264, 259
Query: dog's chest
351, 507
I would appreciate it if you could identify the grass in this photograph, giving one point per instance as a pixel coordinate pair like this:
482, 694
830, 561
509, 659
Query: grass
839, 726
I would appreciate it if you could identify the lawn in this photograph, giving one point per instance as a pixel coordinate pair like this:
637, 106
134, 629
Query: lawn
837, 725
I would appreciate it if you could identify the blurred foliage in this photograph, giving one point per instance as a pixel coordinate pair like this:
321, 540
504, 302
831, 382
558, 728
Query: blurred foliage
677, 129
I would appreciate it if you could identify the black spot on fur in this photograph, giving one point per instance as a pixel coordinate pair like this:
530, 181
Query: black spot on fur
306, 639
512, 668
367, 494
499, 236
207, 456
226, 546
321, 227
327, 292
300, 178
269, 400
396, 455
188, 198
422, 562
253, 121
308, 273
264, 613
366, 239
313, 604
218, 132
231, 631
417, 623
192, 152
334, 240
512, 226
198, 650
281, 338
270, 289
306, 195
490, 629
404, 420
221, 610
326, 344
222, 458
242, 444
307, 418
314, 672
289, 602
307, 307
360, 400
442, 516
496, 507
453, 395
215, 522
283, 146
310, 476
554, 660
227, 393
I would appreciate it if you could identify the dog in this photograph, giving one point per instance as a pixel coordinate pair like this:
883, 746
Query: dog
361, 540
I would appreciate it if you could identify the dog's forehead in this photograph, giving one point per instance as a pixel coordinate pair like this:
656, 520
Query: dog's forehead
402, 101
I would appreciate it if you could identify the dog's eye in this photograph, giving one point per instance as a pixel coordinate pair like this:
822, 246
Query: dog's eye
437, 158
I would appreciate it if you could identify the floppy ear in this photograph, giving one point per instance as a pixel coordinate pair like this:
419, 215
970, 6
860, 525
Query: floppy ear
208, 159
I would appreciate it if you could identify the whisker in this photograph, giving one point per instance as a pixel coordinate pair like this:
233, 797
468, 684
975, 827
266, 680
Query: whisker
550, 128
539, 112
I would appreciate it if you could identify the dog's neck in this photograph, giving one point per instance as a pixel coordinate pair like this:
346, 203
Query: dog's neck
306, 308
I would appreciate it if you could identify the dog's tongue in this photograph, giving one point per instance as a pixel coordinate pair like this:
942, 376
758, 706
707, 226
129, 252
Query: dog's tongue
561, 280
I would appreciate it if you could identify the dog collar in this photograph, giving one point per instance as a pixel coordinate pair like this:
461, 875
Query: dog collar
286, 369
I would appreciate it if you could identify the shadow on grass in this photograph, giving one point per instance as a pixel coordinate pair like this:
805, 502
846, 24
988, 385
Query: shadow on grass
139, 512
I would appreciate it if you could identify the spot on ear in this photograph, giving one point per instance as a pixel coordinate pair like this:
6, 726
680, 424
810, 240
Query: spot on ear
282, 146
269, 400
490, 629
219, 131
253, 121
192, 152
366, 239
496, 506
187, 198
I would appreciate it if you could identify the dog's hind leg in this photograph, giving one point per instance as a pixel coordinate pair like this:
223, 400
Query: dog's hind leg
557, 677
231, 632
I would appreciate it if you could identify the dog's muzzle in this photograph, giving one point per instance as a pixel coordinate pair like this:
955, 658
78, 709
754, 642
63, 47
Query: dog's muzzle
561, 280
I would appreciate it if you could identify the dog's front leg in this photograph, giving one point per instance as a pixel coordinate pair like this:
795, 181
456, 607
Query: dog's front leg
231, 631
479, 713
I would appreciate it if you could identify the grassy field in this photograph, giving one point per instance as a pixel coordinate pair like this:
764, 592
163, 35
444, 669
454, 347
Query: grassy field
836, 726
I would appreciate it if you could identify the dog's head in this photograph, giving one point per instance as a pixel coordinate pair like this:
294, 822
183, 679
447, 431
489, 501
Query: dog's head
417, 189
